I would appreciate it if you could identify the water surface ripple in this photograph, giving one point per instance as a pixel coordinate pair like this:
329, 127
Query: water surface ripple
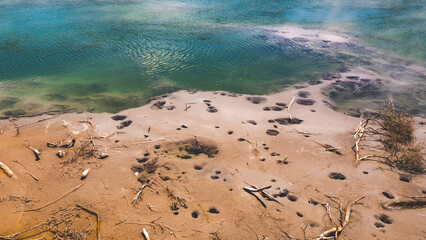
110, 55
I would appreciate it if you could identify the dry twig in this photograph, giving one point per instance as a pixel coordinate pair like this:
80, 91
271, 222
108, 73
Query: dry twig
136, 198
54, 201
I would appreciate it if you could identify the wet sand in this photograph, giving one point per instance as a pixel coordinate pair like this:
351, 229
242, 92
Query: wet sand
207, 147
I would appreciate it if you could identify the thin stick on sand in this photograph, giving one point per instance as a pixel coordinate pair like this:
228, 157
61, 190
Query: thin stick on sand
54, 201
13, 236
289, 106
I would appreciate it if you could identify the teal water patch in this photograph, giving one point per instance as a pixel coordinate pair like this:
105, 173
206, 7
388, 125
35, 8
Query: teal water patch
112, 55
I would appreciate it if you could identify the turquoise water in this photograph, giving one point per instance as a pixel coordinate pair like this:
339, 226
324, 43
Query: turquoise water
112, 55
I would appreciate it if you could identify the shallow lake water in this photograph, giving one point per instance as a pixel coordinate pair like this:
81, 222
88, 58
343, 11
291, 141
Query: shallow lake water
112, 55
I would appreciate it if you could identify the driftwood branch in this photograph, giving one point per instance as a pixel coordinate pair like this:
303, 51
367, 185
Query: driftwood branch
264, 194
7, 170
336, 231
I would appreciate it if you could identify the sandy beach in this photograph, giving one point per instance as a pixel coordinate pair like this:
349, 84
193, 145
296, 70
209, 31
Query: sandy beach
195, 152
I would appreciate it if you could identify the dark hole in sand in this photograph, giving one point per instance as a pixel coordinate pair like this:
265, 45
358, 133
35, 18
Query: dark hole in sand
272, 132
313, 225
262, 160
281, 104
241, 139
275, 154
213, 210
314, 82
365, 172
118, 117
256, 100
337, 176
266, 148
292, 198
286, 121
388, 195
306, 102
195, 147
212, 110
230, 132
218, 172
330, 76
158, 104
266, 109
313, 202
206, 100
125, 124
379, 225
283, 193
184, 156
303, 94
184, 126
142, 160
157, 146
299, 214
424, 191
404, 178
385, 219
214, 177
409, 204
194, 214
352, 77
198, 167
231, 189
275, 108
273, 180
216, 127
271, 121
176, 213
170, 108
252, 122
